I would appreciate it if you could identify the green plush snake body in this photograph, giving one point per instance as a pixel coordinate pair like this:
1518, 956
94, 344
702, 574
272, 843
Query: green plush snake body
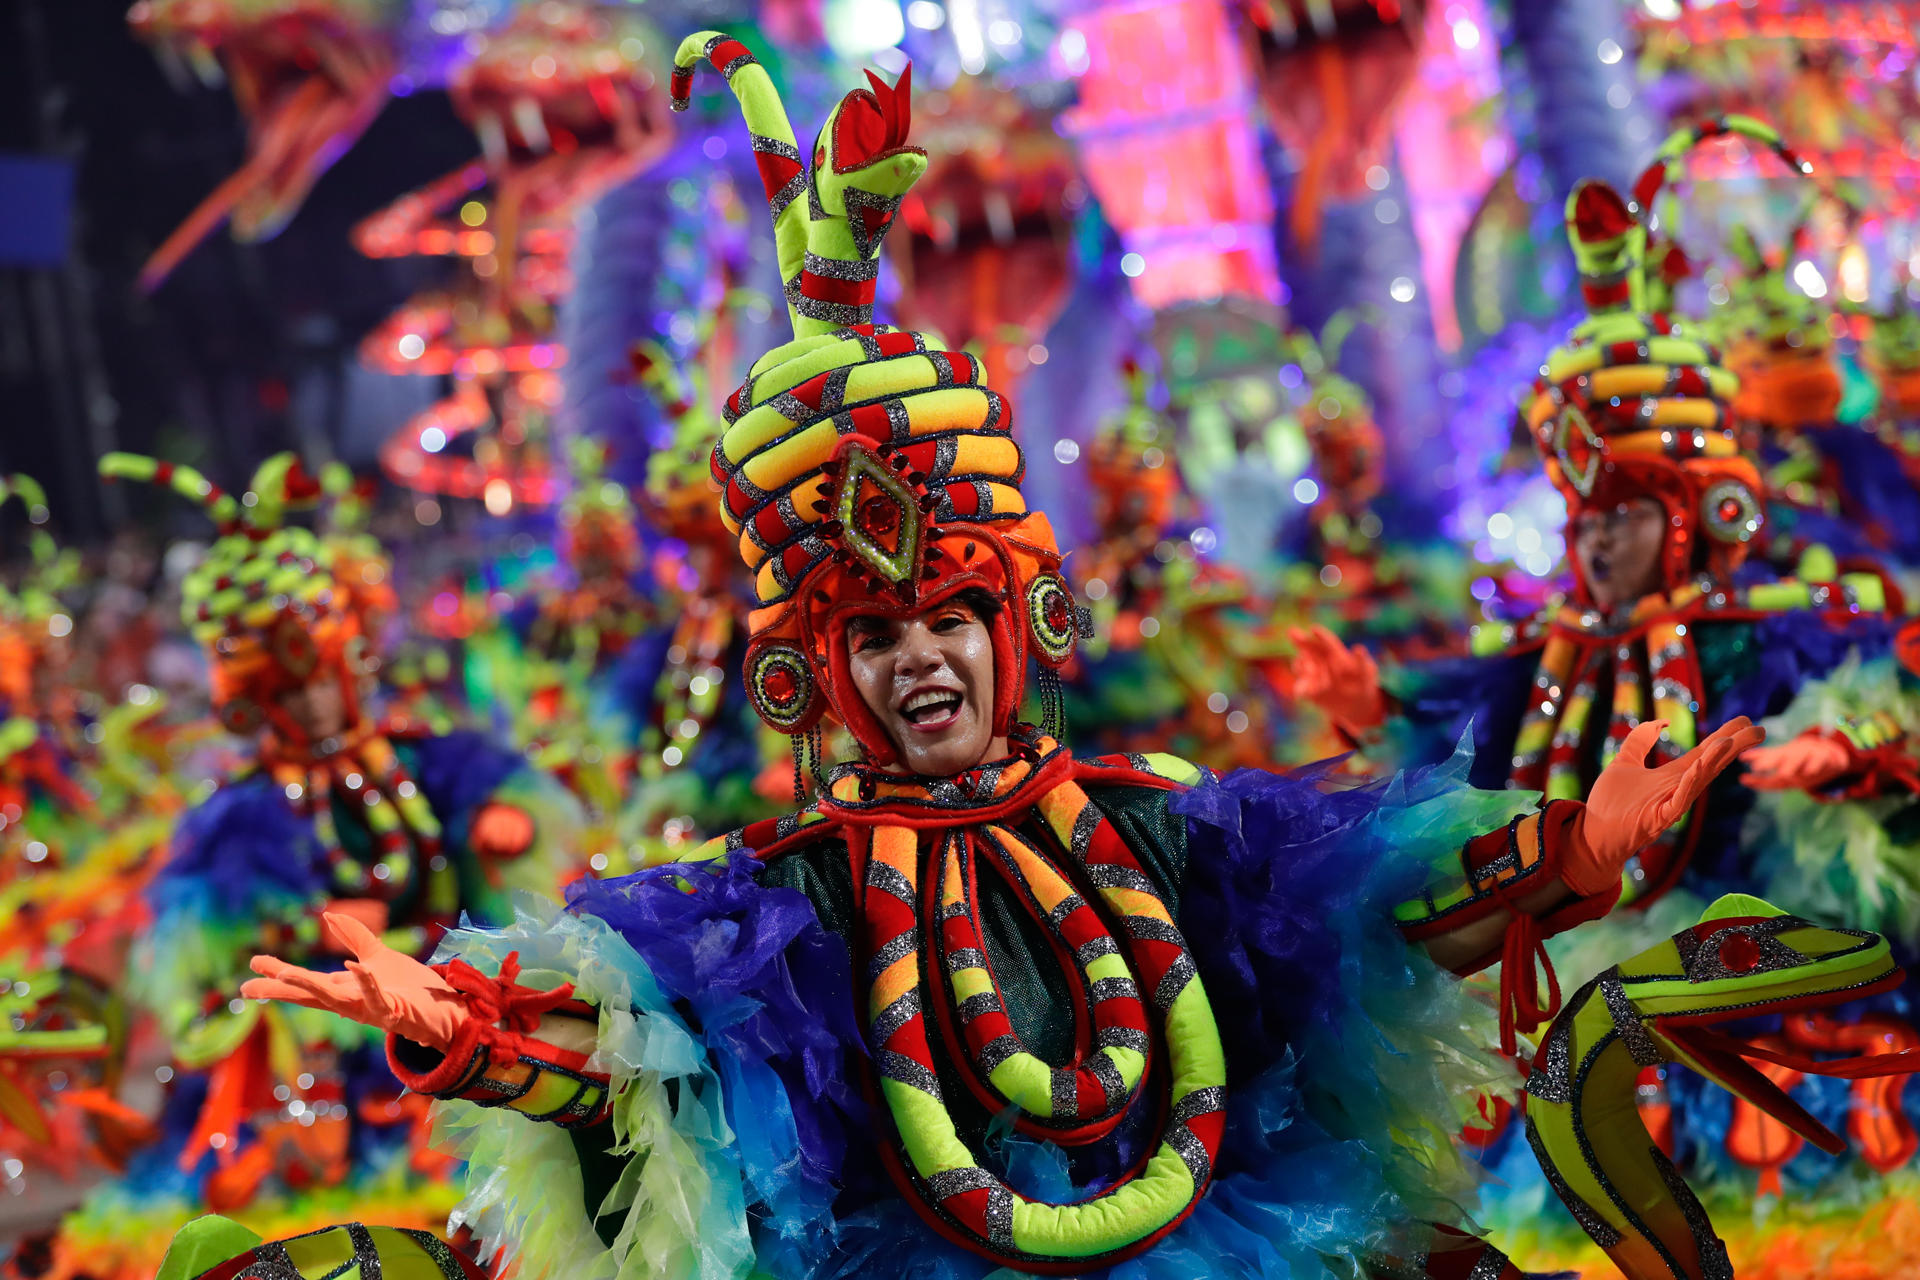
1745, 958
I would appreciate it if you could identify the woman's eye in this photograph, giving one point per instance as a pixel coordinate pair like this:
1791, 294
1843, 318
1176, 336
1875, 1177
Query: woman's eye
871, 642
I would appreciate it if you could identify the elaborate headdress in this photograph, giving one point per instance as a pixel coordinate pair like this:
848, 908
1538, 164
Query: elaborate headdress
1775, 336
264, 601
864, 471
1631, 406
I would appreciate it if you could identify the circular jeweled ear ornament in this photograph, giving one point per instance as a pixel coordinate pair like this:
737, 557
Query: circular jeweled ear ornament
1577, 449
782, 687
293, 647
1730, 511
241, 716
1050, 617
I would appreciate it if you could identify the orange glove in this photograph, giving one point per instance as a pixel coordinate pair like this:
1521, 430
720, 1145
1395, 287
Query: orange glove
380, 987
370, 912
1805, 763
1631, 804
500, 831
1343, 681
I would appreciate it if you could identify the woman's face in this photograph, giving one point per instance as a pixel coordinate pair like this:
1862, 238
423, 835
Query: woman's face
1619, 550
928, 680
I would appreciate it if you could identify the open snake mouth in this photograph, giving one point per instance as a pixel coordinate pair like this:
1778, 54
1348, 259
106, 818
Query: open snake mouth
308, 77
564, 104
1807, 968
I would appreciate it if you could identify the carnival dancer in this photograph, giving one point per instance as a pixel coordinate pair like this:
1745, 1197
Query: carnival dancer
343, 811
960, 1012
1666, 621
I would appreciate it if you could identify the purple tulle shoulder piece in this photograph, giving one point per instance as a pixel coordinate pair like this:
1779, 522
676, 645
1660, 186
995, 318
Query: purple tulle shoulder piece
241, 849
458, 771
768, 988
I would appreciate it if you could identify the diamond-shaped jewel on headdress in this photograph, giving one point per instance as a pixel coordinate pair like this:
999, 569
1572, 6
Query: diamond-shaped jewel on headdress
1578, 449
879, 516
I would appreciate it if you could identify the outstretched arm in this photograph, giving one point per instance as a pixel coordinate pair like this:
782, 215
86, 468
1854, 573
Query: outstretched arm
1548, 871
451, 1031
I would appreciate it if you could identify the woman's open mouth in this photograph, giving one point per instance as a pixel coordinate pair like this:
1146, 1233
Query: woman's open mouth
932, 710
1598, 567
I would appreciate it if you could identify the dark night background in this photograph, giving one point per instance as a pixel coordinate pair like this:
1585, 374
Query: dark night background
246, 348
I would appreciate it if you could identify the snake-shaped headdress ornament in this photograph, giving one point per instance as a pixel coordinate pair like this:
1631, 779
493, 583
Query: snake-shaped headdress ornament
864, 470
1633, 404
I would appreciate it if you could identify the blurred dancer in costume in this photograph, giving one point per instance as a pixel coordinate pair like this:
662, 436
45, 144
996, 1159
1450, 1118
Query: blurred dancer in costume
270, 1115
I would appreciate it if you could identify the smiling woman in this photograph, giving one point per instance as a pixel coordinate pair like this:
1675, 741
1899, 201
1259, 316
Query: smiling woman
928, 680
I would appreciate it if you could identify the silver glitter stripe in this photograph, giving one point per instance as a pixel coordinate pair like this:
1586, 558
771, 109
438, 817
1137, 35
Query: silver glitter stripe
366, 1253
820, 309
1064, 1091
439, 1250
833, 392
1151, 930
946, 451
895, 1016
789, 406
1199, 1103
904, 1070
785, 825
1114, 989
995, 1052
901, 944
1626, 1020
1000, 1219
953, 910
889, 880
1193, 1152
1602, 1232
272, 1263
1085, 823
732, 68
1123, 1038
965, 958
1111, 1084
1087, 952
1173, 982
1491, 1265
976, 1006
775, 147
1109, 875
996, 412
898, 423
779, 200
1064, 908
942, 368
983, 497
954, 1182
1714, 1263
840, 269
1552, 1077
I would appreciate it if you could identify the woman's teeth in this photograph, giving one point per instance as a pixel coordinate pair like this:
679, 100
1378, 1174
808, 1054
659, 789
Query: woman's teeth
930, 706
